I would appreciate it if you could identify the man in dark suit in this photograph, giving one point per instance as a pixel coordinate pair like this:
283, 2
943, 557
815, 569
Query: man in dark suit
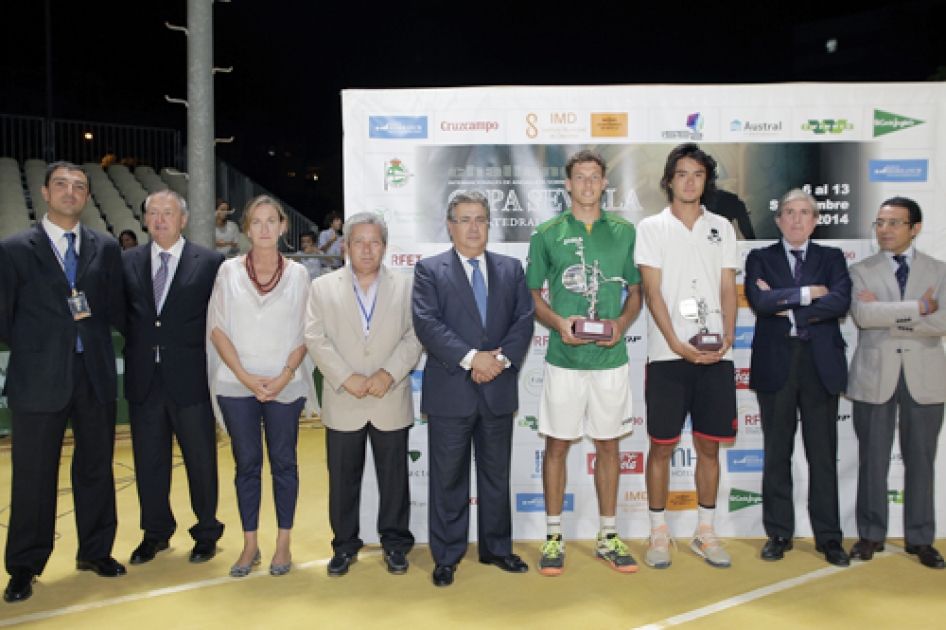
60, 293
473, 312
799, 290
167, 287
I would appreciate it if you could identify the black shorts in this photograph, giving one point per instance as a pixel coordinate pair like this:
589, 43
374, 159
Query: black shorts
707, 392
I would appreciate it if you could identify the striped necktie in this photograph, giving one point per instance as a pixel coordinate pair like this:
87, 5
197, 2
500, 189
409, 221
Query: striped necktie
161, 280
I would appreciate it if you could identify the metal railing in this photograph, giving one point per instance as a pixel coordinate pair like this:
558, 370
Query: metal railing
238, 189
27, 137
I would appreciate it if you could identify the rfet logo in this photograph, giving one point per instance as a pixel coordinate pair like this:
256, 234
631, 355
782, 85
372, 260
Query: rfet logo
632, 463
540, 341
405, 260
742, 378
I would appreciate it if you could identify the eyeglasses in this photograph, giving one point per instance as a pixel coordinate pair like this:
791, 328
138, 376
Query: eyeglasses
469, 220
894, 223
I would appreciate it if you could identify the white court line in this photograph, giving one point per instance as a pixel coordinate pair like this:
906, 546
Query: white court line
758, 593
171, 590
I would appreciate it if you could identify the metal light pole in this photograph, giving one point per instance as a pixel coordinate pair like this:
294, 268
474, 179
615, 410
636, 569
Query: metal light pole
201, 186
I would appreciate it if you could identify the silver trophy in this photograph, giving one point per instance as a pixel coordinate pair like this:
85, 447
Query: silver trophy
696, 309
586, 280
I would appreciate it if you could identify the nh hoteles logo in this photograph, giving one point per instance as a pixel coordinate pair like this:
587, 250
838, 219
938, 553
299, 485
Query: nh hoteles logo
741, 499
887, 122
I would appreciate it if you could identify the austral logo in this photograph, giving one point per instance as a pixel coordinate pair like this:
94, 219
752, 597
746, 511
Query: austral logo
632, 463
827, 126
397, 127
886, 122
758, 128
741, 499
535, 502
395, 174
694, 130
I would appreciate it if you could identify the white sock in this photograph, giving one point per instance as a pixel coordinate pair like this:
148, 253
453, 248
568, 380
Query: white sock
608, 526
553, 525
706, 515
657, 519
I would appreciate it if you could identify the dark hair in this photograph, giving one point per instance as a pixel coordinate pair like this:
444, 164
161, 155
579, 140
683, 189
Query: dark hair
916, 215
130, 233
69, 166
331, 217
219, 202
585, 156
310, 234
694, 152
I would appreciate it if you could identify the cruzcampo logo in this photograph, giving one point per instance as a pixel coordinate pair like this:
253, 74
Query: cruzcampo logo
740, 499
531, 422
827, 126
885, 122
414, 455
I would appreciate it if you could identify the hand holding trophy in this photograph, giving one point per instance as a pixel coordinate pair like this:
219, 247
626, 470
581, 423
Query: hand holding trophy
696, 310
586, 280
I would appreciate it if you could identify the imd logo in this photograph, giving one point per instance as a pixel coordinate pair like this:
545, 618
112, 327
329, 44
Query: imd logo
741, 499
887, 122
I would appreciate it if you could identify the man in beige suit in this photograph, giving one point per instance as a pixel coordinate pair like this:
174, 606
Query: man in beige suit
899, 364
359, 333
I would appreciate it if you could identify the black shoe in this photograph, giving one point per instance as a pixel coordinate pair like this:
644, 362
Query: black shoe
20, 587
104, 567
927, 555
147, 550
338, 565
443, 574
865, 549
834, 553
775, 548
203, 551
396, 561
511, 563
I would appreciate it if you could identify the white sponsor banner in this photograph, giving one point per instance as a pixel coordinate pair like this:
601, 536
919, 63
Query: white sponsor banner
851, 146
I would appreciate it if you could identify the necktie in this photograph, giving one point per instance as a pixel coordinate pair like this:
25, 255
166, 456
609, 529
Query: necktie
799, 255
799, 262
479, 288
70, 264
902, 273
161, 280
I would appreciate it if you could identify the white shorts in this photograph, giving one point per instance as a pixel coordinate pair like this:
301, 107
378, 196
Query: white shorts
593, 403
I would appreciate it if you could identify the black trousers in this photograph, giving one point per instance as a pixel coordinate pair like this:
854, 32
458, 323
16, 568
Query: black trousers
449, 441
345, 452
37, 449
153, 425
802, 392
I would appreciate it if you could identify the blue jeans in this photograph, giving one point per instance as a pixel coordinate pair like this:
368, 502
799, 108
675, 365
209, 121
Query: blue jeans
245, 419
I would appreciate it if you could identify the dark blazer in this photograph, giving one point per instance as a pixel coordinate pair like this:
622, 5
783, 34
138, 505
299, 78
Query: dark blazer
771, 345
35, 321
448, 324
181, 329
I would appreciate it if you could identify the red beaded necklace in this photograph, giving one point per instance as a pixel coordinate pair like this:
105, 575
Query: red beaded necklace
263, 289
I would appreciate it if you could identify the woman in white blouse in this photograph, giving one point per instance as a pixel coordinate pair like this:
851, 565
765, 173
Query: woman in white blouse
259, 372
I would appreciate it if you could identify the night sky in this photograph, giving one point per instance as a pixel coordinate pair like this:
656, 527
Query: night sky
113, 61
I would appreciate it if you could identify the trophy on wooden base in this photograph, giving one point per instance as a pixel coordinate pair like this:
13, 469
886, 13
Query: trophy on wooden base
696, 310
586, 280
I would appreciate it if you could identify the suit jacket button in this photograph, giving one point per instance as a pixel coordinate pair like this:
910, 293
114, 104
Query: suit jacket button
158, 324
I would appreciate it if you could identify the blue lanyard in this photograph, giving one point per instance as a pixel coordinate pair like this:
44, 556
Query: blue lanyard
368, 314
72, 281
